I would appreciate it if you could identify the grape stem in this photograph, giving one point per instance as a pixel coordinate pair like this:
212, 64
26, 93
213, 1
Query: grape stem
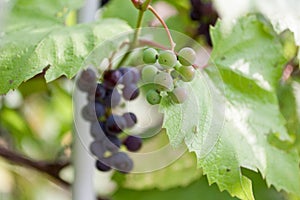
173, 44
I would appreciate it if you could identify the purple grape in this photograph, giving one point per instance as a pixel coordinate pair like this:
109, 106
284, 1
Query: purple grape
88, 112
121, 162
100, 92
133, 143
111, 78
97, 131
114, 140
113, 98
98, 149
100, 109
136, 74
130, 92
130, 119
87, 80
127, 75
115, 124
102, 167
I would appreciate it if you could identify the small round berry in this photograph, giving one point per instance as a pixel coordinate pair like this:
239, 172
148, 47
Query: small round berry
187, 56
167, 59
150, 56
102, 167
100, 109
164, 81
153, 97
148, 73
130, 119
100, 93
179, 95
187, 73
115, 124
130, 92
87, 80
113, 98
111, 78
133, 143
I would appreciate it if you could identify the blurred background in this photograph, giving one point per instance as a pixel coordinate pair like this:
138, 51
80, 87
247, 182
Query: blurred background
36, 125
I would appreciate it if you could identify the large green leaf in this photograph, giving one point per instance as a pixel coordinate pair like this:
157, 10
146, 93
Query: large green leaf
249, 60
37, 38
199, 190
185, 169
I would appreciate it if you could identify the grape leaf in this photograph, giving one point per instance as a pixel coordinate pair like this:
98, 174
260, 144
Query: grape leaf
61, 48
201, 189
249, 60
184, 168
192, 192
284, 15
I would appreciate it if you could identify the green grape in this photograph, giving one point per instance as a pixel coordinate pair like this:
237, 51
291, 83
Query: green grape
153, 97
178, 65
187, 56
150, 56
167, 59
187, 73
148, 73
175, 74
164, 81
179, 95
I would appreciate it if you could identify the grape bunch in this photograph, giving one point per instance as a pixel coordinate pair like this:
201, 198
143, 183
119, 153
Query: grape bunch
106, 127
164, 70
203, 12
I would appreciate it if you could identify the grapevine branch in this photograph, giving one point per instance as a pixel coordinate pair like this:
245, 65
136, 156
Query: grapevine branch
52, 169
164, 25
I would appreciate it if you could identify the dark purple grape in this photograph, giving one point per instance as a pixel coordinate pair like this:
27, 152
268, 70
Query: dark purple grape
115, 124
111, 78
113, 98
102, 167
121, 162
194, 15
97, 130
87, 80
114, 140
98, 149
100, 92
133, 143
130, 119
130, 92
127, 75
100, 109
88, 112
136, 75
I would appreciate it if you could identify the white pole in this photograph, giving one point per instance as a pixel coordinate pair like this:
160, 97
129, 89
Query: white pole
83, 187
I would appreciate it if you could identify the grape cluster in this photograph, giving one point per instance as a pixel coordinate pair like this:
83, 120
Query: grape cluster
164, 70
203, 12
107, 127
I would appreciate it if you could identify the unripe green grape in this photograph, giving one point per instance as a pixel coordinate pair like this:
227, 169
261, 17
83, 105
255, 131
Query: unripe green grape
150, 56
187, 56
167, 59
153, 97
164, 81
187, 73
175, 74
179, 95
148, 73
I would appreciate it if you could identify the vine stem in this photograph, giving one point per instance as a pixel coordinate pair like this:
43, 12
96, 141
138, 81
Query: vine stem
172, 43
52, 169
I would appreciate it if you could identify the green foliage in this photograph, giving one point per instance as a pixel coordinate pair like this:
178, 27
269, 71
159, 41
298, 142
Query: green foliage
249, 60
48, 44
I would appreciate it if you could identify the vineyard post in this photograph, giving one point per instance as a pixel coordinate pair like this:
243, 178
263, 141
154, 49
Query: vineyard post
83, 187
